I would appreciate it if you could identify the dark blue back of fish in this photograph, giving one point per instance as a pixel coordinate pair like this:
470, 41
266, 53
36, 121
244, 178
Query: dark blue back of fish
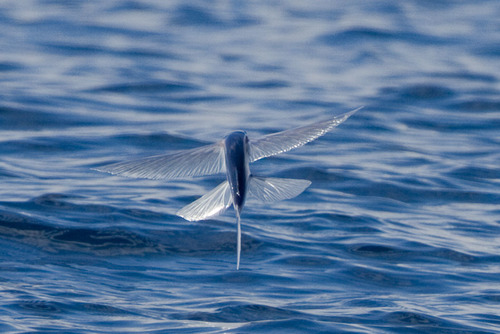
237, 167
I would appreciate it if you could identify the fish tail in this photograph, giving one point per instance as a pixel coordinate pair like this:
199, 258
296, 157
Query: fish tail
239, 241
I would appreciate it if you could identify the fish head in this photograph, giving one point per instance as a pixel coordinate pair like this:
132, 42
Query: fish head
237, 145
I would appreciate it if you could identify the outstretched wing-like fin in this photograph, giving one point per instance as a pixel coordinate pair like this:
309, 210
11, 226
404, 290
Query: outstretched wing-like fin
205, 160
209, 205
270, 189
289, 139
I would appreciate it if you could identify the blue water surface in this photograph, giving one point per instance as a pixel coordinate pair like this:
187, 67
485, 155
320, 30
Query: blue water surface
398, 233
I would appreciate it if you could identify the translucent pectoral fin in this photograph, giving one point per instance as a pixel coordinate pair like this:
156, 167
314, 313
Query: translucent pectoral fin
276, 189
205, 160
284, 141
209, 205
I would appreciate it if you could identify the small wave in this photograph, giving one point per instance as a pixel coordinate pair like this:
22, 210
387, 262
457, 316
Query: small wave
199, 16
241, 313
148, 87
56, 239
268, 84
479, 105
356, 35
425, 322
27, 119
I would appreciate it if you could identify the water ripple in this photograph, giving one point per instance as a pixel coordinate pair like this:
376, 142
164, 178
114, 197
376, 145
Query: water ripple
398, 231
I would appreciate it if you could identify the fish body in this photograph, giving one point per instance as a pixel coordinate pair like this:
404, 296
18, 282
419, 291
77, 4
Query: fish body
237, 167
238, 176
231, 156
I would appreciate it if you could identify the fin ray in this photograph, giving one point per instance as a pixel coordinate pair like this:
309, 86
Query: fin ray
205, 160
284, 141
211, 204
272, 189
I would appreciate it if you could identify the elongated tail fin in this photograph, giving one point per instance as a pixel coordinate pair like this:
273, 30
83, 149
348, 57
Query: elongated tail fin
211, 204
270, 189
238, 252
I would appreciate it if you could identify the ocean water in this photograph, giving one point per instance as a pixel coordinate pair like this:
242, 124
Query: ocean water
398, 233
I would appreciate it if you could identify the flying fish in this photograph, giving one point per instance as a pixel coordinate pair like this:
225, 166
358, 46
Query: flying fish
231, 156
